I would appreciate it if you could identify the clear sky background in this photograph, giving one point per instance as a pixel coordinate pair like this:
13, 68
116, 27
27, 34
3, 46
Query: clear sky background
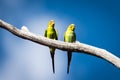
97, 23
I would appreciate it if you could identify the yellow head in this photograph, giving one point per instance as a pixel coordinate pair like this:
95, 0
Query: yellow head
51, 23
71, 27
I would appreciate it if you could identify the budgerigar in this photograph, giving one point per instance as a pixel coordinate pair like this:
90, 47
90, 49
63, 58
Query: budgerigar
70, 36
51, 33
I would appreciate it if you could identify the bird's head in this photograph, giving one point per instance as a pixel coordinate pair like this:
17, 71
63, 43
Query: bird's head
71, 27
51, 23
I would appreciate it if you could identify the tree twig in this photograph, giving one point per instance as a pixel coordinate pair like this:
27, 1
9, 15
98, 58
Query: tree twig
77, 47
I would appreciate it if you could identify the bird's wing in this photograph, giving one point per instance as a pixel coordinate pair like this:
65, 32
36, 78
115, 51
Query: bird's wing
45, 34
74, 38
56, 36
64, 36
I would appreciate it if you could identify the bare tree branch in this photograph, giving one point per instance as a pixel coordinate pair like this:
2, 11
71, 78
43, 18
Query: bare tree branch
76, 47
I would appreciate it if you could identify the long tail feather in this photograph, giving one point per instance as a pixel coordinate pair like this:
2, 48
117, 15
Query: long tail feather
69, 60
52, 57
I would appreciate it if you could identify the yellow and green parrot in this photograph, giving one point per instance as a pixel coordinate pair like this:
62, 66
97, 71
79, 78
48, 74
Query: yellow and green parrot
51, 33
70, 36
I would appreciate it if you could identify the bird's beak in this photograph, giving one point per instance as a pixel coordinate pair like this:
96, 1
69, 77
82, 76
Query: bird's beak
52, 23
73, 28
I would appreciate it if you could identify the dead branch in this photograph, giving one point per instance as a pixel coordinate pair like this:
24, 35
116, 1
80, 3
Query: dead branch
76, 47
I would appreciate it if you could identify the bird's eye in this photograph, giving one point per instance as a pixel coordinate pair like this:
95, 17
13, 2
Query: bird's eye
71, 27
51, 23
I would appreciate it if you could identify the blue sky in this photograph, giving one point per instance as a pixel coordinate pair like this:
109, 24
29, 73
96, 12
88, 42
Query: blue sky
97, 23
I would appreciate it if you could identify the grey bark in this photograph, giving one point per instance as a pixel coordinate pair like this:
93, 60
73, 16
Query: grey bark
76, 47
